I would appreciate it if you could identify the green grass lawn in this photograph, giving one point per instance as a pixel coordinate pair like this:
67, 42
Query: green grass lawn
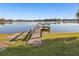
49, 48
53, 45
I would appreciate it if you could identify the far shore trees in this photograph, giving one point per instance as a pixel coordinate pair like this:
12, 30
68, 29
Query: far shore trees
2, 20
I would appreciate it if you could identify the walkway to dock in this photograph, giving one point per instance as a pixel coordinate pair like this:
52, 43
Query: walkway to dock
36, 38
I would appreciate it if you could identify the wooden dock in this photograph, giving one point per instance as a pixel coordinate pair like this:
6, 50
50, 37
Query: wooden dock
37, 35
35, 38
32, 37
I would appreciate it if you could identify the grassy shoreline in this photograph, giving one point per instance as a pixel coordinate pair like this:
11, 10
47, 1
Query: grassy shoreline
59, 35
56, 44
49, 35
5, 36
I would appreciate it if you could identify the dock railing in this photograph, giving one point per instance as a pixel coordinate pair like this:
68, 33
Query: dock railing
14, 39
27, 36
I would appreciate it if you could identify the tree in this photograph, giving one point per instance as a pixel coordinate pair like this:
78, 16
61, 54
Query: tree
77, 14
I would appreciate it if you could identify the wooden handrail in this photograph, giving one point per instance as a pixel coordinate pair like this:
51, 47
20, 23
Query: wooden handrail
16, 37
28, 36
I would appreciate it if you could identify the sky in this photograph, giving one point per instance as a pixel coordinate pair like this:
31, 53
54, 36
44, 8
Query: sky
38, 10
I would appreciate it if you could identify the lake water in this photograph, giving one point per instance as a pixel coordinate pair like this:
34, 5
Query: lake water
25, 26
16, 27
69, 27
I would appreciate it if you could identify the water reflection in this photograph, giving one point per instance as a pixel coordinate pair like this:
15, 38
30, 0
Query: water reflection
16, 27
4, 23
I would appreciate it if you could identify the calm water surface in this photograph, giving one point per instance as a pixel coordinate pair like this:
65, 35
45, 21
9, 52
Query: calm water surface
16, 27
24, 26
69, 27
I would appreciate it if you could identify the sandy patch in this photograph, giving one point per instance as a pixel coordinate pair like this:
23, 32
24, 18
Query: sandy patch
3, 44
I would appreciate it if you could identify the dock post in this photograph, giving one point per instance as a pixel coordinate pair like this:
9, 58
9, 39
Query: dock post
40, 32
